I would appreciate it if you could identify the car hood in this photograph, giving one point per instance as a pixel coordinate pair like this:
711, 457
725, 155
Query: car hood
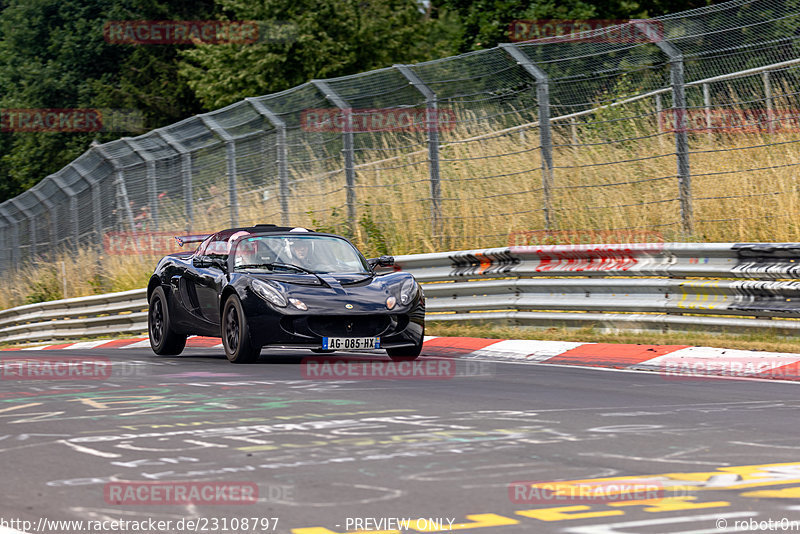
365, 293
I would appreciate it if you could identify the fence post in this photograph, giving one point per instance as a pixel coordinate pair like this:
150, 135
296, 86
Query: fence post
432, 125
53, 217
545, 138
347, 149
707, 107
31, 221
679, 115
150, 165
282, 155
230, 154
96, 211
186, 173
122, 189
4, 247
14, 250
73, 205
768, 101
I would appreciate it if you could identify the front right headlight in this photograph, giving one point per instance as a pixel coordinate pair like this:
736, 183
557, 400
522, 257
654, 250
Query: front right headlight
269, 293
408, 290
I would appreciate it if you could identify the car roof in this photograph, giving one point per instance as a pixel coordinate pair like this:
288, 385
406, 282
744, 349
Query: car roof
265, 229
262, 229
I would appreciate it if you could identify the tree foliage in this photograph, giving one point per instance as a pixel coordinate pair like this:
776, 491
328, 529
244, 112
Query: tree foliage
316, 39
53, 55
485, 23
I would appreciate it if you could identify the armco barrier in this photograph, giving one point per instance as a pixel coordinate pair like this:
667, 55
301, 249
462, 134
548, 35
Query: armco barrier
645, 286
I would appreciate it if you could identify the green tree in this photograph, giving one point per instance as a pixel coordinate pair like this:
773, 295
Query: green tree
53, 55
320, 39
485, 23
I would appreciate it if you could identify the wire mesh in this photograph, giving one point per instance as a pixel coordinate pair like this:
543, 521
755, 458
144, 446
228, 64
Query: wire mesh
451, 153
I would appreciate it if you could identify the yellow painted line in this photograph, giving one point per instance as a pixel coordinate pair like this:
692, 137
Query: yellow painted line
724, 478
783, 493
562, 513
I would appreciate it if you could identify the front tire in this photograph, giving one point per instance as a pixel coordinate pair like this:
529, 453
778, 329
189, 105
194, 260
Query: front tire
236, 333
405, 354
163, 340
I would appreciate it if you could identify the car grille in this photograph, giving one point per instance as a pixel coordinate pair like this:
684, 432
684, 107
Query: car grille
348, 325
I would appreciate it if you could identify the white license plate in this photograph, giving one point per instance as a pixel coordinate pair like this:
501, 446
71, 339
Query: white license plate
350, 343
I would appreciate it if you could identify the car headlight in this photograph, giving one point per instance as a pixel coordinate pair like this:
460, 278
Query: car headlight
408, 290
269, 293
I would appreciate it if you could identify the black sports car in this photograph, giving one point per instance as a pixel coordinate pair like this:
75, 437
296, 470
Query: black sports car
267, 285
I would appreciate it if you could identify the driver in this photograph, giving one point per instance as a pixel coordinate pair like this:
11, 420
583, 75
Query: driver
301, 251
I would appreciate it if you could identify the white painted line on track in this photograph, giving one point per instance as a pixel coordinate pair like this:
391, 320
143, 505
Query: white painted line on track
87, 344
144, 344
528, 350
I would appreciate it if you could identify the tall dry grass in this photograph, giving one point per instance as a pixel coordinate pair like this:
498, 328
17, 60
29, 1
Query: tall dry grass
620, 177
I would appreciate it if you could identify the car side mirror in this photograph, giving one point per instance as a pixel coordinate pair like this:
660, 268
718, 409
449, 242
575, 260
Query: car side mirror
383, 261
206, 262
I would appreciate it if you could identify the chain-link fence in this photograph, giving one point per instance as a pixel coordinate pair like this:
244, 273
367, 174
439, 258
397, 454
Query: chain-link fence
683, 127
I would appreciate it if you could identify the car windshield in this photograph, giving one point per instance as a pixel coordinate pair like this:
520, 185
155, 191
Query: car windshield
301, 253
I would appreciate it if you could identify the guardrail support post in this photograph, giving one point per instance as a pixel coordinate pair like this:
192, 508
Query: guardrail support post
545, 137
282, 155
432, 125
347, 149
230, 155
679, 114
186, 173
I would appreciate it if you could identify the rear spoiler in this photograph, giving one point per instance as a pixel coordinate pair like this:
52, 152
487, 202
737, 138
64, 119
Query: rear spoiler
183, 239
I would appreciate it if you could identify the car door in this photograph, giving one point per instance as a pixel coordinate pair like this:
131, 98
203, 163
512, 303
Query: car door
210, 279
184, 284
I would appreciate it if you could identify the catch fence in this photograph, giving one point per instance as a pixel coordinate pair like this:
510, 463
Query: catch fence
684, 126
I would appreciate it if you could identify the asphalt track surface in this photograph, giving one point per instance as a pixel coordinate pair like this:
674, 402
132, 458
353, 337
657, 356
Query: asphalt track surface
327, 453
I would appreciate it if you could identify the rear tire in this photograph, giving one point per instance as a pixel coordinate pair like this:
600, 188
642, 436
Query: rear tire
236, 333
163, 340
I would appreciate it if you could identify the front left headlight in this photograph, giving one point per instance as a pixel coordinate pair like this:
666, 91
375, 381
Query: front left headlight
269, 293
408, 290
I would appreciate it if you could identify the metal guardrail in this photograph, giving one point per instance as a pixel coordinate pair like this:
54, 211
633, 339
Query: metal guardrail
109, 314
644, 286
